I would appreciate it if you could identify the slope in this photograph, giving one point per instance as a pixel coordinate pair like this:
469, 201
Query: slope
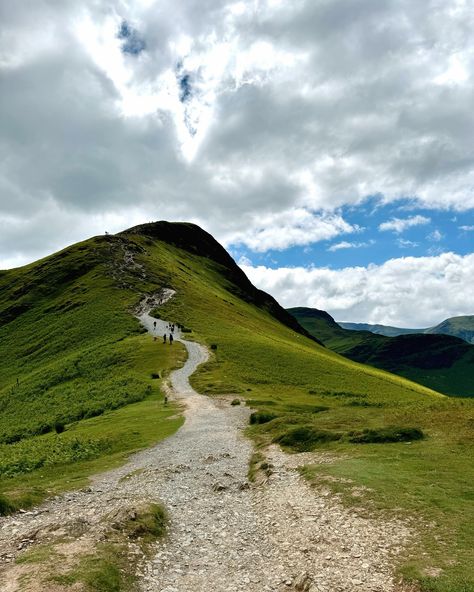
73, 338
440, 362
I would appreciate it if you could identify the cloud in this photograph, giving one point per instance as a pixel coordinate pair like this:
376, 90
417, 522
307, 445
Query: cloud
435, 236
405, 244
256, 120
467, 228
348, 245
399, 225
408, 292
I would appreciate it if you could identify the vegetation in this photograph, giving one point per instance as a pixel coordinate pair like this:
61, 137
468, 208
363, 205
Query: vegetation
75, 372
315, 397
441, 362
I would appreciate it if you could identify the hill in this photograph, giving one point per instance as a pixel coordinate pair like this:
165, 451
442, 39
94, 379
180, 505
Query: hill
462, 327
386, 330
88, 389
441, 362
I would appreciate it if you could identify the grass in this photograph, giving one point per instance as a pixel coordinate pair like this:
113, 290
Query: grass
77, 386
311, 391
284, 374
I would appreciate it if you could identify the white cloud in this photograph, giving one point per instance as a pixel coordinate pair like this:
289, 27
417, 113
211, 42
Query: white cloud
435, 236
405, 244
399, 225
293, 107
467, 228
406, 292
348, 245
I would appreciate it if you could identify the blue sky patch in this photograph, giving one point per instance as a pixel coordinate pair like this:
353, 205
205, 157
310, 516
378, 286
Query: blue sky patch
132, 44
388, 231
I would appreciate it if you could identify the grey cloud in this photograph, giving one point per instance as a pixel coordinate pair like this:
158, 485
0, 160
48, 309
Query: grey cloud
357, 113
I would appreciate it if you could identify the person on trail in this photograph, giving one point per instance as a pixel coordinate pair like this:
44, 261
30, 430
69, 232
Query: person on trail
171, 338
166, 400
164, 338
154, 324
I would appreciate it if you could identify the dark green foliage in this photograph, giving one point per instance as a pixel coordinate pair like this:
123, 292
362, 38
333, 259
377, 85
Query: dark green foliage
388, 434
306, 438
59, 427
261, 417
5, 506
235, 402
213, 346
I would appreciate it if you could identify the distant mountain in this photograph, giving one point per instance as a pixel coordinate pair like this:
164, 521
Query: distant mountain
462, 327
440, 361
386, 330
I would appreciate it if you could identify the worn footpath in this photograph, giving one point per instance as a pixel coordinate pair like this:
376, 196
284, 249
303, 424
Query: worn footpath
225, 534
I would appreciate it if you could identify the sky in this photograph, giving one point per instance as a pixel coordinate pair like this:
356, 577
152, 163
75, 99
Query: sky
327, 144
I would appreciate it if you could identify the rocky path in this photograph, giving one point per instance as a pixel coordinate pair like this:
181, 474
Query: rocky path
225, 534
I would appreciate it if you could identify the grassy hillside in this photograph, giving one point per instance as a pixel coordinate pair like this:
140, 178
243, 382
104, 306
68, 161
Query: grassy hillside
71, 351
440, 362
305, 395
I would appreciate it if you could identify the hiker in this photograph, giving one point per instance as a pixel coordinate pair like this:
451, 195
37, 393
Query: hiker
166, 400
171, 338
154, 324
164, 338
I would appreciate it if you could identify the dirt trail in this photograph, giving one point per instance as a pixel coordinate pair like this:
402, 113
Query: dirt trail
225, 535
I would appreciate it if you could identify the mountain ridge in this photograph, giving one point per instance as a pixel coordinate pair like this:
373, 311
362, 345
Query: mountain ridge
440, 361
460, 326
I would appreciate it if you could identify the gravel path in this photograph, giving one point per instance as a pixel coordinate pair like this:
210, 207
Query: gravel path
225, 535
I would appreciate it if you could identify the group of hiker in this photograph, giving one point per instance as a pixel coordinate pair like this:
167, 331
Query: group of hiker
170, 328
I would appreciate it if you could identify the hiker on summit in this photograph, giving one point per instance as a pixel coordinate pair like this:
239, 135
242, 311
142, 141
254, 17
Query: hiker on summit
164, 338
171, 338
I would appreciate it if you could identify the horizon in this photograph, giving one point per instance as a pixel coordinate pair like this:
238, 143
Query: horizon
326, 145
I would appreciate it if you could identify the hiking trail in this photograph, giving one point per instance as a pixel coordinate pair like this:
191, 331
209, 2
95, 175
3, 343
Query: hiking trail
225, 534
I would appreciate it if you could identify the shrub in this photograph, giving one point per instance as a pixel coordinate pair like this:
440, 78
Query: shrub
213, 346
155, 375
388, 434
235, 402
5, 506
259, 417
59, 427
306, 438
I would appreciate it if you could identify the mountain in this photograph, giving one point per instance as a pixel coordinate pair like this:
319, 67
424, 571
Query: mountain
462, 327
71, 350
441, 362
386, 330
81, 383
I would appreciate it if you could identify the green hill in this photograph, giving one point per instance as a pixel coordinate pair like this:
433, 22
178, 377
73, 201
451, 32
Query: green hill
86, 393
462, 327
441, 362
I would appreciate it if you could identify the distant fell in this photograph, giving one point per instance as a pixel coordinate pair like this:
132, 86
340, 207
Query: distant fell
462, 327
440, 361
386, 330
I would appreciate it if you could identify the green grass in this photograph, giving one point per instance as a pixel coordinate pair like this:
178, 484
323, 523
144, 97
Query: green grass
309, 389
76, 387
282, 373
